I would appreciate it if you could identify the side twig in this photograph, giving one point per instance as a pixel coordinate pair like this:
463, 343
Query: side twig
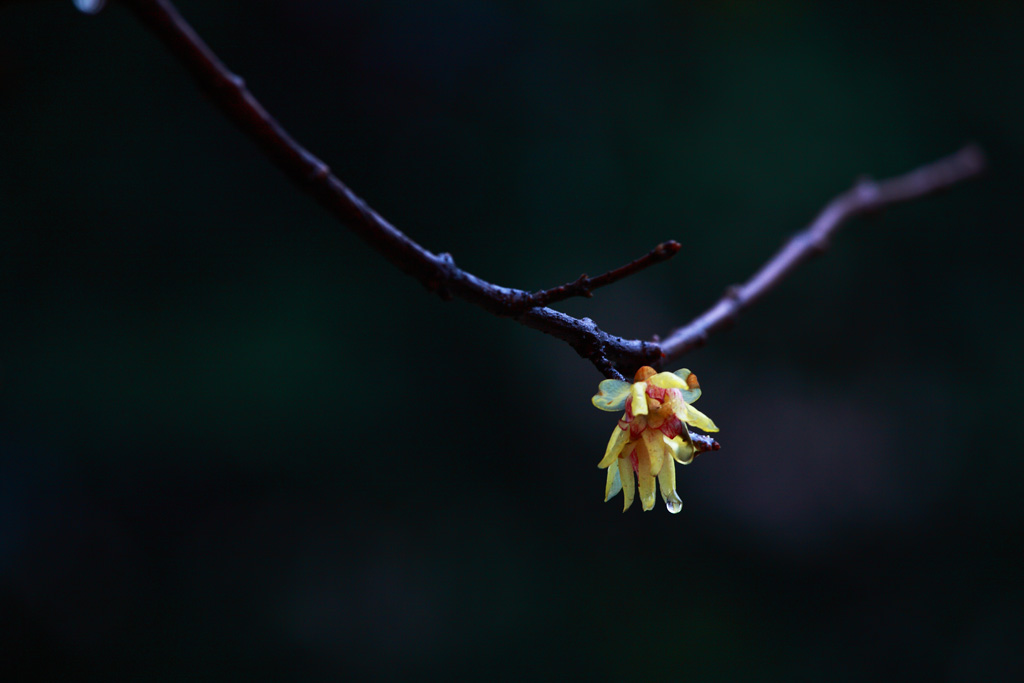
585, 286
610, 354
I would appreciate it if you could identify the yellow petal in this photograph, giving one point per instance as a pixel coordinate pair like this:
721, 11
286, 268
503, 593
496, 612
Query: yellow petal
667, 483
674, 402
614, 484
626, 478
668, 380
654, 441
644, 479
672, 380
618, 440
682, 449
697, 419
639, 405
611, 395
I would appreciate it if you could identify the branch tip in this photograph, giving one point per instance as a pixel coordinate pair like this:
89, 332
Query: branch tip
703, 443
668, 249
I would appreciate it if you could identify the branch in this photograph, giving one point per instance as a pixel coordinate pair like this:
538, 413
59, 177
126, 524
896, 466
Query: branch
865, 197
438, 272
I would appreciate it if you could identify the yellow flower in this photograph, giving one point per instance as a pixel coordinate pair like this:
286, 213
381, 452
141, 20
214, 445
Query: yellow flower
652, 435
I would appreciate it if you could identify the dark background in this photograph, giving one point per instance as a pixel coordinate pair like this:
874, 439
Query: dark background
237, 444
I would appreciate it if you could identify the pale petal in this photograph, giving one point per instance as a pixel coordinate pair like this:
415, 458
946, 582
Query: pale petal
618, 441
667, 483
645, 481
654, 442
614, 484
611, 395
689, 395
698, 419
639, 404
626, 479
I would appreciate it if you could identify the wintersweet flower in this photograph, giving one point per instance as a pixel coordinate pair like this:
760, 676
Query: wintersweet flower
652, 435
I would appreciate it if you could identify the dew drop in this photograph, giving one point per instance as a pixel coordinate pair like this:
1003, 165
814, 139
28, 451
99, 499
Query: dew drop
673, 503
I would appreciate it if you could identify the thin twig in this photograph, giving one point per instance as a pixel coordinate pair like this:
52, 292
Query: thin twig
865, 197
611, 355
584, 285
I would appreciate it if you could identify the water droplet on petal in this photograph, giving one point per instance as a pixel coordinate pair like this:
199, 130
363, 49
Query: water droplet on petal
673, 503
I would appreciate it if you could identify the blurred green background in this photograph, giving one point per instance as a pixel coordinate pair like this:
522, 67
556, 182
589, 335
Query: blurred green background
236, 444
